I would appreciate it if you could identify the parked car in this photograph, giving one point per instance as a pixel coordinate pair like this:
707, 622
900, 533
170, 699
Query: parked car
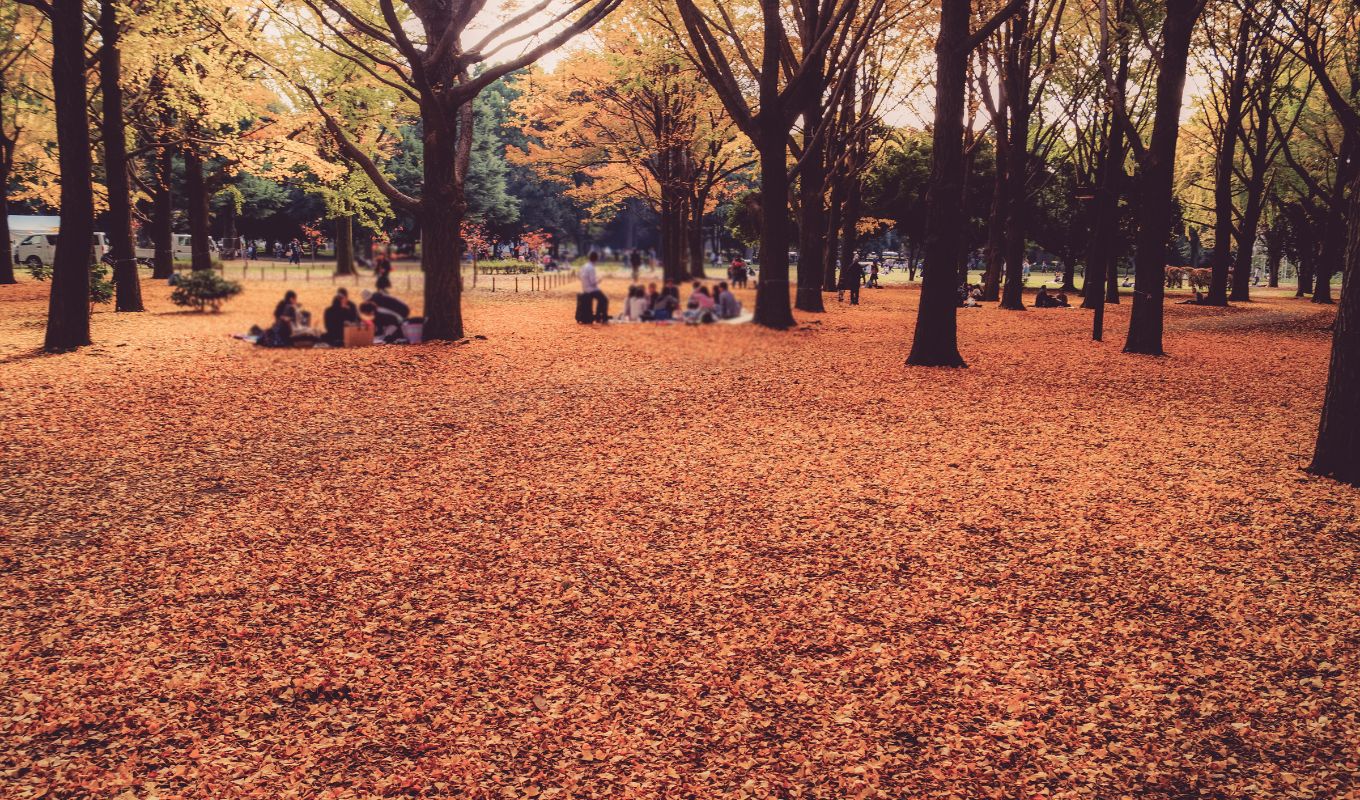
39, 249
183, 249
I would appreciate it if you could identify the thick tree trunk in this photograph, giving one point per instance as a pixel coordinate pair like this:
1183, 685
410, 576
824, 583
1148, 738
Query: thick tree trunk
163, 216
1224, 165
772, 287
811, 219
935, 342
68, 308
197, 199
1337, 452
1155, 182
441, 257
127, 283
1307, 262
344, 245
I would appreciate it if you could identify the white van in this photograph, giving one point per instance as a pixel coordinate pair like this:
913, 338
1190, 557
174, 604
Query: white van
39, 249
184, 249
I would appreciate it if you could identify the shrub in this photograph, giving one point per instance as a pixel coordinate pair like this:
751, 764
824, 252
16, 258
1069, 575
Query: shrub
101, 288
203, 289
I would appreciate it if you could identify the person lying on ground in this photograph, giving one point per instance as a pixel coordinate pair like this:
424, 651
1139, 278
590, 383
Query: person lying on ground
340, 313
729, 307
386, 323
1061, 301
382, 299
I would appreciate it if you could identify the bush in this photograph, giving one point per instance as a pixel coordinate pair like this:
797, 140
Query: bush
203, 289
101, 288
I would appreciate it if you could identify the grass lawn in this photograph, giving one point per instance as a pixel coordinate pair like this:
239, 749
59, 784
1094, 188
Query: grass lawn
635, 561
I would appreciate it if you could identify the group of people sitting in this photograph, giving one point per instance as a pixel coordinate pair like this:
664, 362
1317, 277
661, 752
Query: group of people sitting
292, 326
703, 305
970, 296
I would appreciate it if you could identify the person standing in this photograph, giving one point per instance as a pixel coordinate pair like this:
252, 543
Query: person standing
635, 260
590, 287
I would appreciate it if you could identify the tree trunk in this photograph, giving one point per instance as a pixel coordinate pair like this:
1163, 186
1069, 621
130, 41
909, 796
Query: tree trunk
344, 245
163, 216
197, 198
772, 287
935, 341
694, 228
1274, 253
441, 256
1223, 168
1155, 182
127, 283
1017, 163
996, 227
854, 205
68, 309
811, 217
1337, 452
832, 248
6, 268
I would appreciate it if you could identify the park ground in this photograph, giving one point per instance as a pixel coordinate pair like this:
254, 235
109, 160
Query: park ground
674, 562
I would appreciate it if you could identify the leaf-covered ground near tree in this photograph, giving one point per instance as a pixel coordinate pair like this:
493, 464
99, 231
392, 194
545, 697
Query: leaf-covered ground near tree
635, 562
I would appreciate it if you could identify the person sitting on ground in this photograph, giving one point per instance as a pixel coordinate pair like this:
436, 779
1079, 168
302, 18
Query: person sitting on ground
700, 307
1061, 301
1042, 299
386, 323
670, 288
971, 297
702, 298
728, 306
663, 306
635, 307
288, 308
976, 292
340, 314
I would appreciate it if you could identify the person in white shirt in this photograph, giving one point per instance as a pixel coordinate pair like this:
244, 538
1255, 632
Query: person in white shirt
590, 285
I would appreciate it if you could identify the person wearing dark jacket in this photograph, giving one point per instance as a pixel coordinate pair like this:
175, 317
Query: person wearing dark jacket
387, 301
340, 313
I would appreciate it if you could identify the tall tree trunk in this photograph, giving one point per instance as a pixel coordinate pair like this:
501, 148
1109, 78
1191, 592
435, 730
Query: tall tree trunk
1224, 164
811, 217
68, 308
6, 268
163, 216
1105, 228
832, 248
935, 341
1334, 235
854, 206
1155, 182
694, 229
772, 287
1337, 452
344, 245
1307, 265
995, 254
1017, 163
197, 199
441, 256
128, 289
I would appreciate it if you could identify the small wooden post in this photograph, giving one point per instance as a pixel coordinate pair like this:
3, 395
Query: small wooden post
516, 284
